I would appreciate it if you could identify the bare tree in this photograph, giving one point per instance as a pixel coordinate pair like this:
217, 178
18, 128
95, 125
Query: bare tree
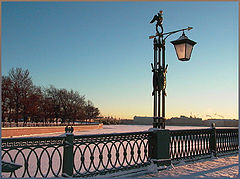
51, 94
32, 105
47, 109
21, 99
68, 105
91, 111
7, 98
75, 106
21, 88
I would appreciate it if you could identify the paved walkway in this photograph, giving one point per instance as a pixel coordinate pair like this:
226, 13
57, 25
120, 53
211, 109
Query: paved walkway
218, 167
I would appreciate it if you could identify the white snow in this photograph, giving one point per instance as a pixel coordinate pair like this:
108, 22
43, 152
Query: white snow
224, 166
152, 168
117, 129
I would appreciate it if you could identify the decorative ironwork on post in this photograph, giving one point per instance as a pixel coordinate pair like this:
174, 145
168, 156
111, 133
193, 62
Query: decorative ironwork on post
183, 47
159, 74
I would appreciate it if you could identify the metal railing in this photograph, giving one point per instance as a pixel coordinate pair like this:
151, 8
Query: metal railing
79, 156
92, 155
187, 144
108, 153
190, 144
226, 140
39, 157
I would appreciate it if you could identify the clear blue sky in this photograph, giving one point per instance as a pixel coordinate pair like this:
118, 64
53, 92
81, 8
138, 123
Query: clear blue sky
102, 50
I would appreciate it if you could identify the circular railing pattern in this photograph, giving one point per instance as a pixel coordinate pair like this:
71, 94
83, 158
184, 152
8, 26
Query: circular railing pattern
39, 157
106, 153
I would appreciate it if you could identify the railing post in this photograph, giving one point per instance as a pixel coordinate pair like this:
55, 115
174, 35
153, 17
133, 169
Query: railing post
68, 160
213, 140
159, 147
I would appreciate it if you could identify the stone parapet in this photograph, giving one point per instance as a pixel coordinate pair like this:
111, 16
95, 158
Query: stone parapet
26, 131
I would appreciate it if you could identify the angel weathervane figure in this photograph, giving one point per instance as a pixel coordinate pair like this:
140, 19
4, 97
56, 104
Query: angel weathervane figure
159, 20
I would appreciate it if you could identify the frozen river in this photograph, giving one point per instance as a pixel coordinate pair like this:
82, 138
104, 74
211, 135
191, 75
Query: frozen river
123, 128
130, 128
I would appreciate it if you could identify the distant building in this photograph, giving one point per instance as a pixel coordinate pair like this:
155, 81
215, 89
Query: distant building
126, 121
183, 121
137, 120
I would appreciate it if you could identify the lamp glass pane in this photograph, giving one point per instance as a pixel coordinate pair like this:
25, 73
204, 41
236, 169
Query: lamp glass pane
180, 50
188, 50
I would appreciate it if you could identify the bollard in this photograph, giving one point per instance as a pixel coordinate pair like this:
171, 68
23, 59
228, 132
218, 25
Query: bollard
213, 140
68, 153
159, 145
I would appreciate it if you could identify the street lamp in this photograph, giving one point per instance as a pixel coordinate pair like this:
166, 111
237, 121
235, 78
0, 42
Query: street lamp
183, 46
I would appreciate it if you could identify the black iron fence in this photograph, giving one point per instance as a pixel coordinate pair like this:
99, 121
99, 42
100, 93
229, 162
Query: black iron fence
92, 155
39, 157
226, 140
107, 153
188, 144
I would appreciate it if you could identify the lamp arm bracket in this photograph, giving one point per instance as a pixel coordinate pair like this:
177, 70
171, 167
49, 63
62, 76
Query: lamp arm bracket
168, 33
173, 32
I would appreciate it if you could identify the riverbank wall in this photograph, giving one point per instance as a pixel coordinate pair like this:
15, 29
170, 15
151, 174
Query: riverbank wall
28, 131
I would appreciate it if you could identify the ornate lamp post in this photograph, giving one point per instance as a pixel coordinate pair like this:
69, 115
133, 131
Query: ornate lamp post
183, 47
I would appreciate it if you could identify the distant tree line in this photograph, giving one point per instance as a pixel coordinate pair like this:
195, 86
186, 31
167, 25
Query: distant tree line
21, 99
